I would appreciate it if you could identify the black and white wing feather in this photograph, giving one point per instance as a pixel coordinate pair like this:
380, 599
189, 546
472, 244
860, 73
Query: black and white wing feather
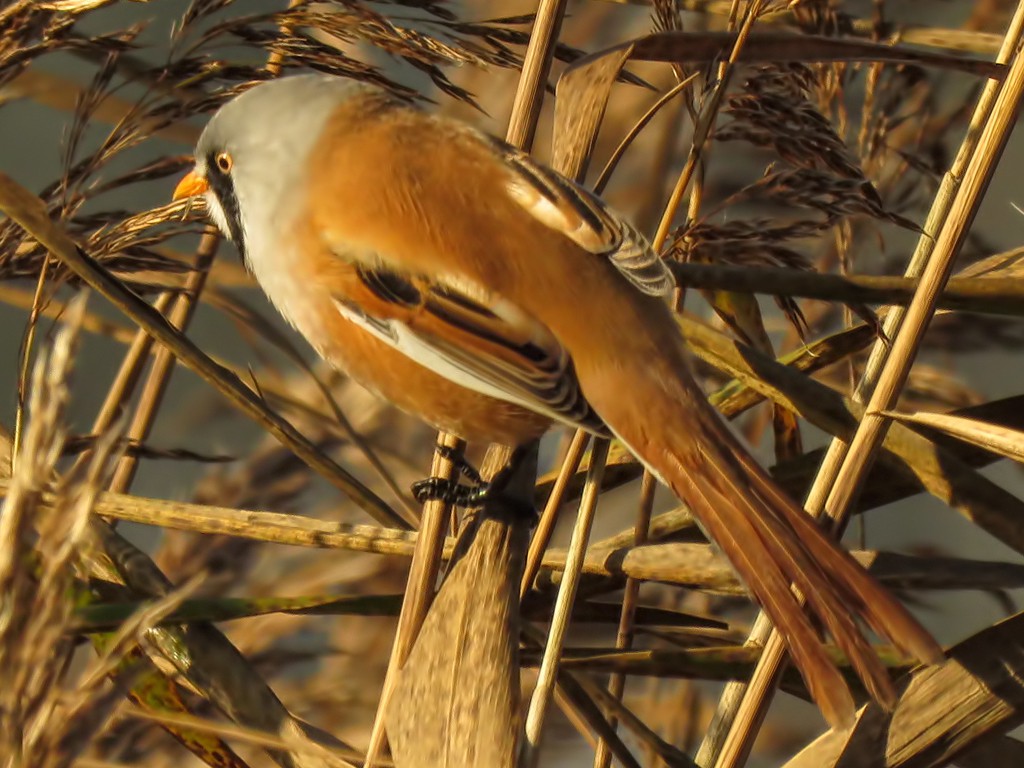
584, 218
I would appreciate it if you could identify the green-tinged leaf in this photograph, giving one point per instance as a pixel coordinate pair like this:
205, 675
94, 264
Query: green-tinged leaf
99, 617
154, 692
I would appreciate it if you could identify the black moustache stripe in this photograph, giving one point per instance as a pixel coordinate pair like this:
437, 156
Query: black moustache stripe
224, 191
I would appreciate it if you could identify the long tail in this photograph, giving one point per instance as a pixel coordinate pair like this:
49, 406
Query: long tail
770, 541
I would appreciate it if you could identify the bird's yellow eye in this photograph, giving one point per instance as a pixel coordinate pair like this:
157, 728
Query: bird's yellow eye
224, 162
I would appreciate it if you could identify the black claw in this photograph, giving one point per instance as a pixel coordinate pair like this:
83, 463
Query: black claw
475, 497
462, 466
451, 491
476, 493
448, 491
431, 489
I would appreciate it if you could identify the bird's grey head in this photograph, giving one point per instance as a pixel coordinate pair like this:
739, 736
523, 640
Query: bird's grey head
253, 152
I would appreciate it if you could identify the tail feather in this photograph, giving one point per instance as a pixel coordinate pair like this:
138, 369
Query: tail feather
824, 598
743, 544
876, 605
776, 547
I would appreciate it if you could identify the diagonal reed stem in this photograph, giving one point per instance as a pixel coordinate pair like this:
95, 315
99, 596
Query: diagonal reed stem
180, 316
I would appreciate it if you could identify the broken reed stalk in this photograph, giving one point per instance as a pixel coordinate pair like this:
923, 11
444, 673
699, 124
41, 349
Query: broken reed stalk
456, 699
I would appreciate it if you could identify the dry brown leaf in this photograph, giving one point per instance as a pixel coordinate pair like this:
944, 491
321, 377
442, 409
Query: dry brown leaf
984, 434
943, 710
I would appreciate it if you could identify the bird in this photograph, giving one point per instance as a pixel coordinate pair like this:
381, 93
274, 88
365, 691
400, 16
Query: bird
467, 283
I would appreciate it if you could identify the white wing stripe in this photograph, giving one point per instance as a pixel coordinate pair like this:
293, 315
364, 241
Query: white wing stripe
402, 338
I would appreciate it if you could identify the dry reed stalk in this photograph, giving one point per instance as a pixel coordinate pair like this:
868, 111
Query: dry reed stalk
456, 701
546, 525
693, 565
630, 597
530, 754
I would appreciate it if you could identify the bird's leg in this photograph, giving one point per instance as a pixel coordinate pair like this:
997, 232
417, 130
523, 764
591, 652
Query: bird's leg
451, 491
499, 493
466, 469
478, 492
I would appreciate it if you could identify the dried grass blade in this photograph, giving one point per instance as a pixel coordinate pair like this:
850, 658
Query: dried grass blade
158, 379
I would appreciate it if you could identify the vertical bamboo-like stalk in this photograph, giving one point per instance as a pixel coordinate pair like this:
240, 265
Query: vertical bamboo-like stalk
419, 594
546, 676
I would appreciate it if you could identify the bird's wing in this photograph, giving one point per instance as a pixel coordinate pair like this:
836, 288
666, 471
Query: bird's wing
581, 216
489, 347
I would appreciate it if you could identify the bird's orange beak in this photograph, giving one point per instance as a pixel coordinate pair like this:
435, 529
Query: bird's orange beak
192, 184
